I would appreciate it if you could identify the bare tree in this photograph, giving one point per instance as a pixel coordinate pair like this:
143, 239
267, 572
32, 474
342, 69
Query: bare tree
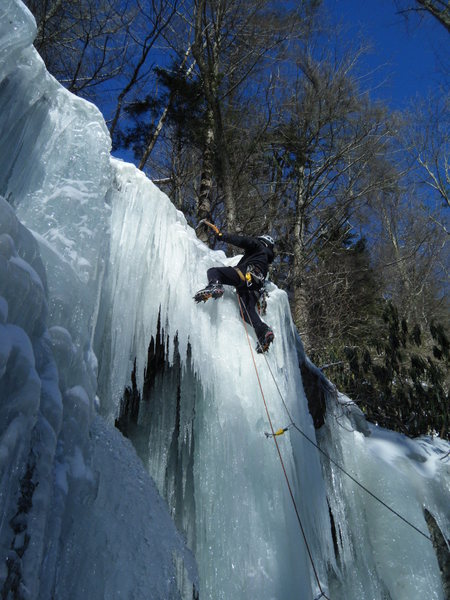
425, 140
329, 143
232, 40
234, 47
439, 9
82, 42
104, 50
154, 18
151, 142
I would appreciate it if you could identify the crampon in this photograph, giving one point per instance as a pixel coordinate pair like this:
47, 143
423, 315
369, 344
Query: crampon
214, 290
263, 345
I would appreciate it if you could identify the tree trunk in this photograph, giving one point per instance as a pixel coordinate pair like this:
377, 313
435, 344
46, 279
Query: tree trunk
230, 204
440, 11
300, 312
155, 136
223, 159
401, 265
162, 119
204, 203
209, 66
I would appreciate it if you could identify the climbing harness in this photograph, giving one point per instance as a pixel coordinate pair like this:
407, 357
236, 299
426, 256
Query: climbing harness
253, 277
274, 436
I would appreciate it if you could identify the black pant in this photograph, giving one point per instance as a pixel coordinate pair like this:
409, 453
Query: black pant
249, 298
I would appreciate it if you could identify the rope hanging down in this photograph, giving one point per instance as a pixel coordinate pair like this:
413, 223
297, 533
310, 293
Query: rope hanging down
363, 487
274, 436
295, 426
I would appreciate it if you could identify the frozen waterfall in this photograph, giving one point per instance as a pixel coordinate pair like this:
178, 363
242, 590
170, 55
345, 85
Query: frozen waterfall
98, 326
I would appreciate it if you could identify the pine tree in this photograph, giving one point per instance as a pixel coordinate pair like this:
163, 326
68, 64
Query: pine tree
400, 379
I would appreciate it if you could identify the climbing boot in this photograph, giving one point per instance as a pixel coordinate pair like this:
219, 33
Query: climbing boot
264, 343
214, 289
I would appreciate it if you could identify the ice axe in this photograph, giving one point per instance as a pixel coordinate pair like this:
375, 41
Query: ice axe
208, 224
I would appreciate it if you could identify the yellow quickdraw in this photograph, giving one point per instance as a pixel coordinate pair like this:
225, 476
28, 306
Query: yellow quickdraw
279, 432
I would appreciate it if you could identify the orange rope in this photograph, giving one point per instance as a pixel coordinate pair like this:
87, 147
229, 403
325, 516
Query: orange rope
279, 454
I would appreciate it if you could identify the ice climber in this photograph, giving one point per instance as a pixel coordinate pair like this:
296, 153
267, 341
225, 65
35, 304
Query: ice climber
247, 277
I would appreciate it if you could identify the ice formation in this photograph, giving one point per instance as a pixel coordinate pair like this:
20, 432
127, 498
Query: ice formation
95, 265
80, 516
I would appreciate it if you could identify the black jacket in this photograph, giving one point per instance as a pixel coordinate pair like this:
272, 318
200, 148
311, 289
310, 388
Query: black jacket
256, 252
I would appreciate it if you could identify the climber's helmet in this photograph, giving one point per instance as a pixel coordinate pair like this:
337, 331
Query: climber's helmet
267, 240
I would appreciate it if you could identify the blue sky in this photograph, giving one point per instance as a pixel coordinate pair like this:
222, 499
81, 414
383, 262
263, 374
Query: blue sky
409, 57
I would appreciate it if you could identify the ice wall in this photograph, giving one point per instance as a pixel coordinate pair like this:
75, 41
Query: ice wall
407, 475
239, 519
55, 172
74, 497
117, 258
201, 421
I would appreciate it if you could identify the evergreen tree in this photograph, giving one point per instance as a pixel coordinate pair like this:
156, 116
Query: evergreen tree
185, 112
399, 377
